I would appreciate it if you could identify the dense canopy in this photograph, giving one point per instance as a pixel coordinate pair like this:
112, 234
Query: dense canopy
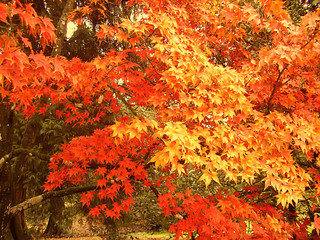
228, 89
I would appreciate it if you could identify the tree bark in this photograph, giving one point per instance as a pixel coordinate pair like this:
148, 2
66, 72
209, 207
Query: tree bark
45, 196
6, 143
61, 31
18, 225
55, 223
12, 189
19, 192
53, 226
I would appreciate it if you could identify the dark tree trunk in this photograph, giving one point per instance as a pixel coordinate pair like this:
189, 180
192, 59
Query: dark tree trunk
55, 224
53, 228
6, 142
18, 224
19, 192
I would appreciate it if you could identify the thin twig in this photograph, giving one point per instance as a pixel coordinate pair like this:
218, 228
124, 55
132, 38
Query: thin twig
118, 94
275, 87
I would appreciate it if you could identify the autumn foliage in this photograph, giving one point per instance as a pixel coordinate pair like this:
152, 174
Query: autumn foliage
233, 91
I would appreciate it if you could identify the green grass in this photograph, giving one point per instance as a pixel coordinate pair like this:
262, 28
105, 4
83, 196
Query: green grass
136, 236
149, 236
73, 238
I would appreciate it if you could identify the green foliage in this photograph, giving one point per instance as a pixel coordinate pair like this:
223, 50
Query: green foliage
82, 44
299, 8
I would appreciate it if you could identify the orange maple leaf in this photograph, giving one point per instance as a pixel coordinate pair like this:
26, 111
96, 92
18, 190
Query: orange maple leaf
316, 224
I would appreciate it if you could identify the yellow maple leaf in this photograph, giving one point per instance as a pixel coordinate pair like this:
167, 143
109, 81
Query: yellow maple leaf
207, 177
119, 130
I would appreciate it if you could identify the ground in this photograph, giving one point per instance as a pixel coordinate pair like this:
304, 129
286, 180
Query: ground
131, 236
80, 230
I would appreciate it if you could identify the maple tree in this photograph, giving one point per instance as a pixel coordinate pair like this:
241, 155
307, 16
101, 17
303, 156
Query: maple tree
232, 87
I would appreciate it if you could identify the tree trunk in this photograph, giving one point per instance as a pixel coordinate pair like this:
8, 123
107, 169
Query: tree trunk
55, 224
18, 225
6, 142
19, 192
53, 228
61, 31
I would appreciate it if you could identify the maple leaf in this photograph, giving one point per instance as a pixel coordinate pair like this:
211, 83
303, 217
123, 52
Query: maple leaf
119, 129
101, 183
116, 208
130, 3
128, 188
108, 212
101, 171
310, 20
86, 10
94, 212
224, 100
126, 204
141, 126
86, 198
316, 224
4, 13
4, 93
208, 177
170, 186
121, 36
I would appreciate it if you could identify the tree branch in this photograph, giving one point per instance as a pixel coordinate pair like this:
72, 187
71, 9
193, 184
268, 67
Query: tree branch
4, 159
285, 67
62, 28
31, 152
312, 37
40, 198
154, 190
275, 88
118, 94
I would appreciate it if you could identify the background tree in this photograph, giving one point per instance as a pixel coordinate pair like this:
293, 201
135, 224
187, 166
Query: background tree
232, 87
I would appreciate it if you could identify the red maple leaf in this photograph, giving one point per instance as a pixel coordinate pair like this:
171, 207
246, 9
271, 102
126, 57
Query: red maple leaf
94, 211
86, 198
316, 224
